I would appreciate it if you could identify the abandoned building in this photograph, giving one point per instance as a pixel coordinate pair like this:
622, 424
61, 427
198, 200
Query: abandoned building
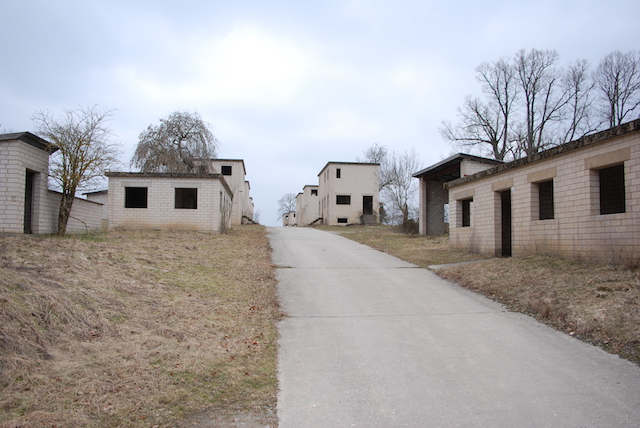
434, 197
234, 173
347, 193
308, 206
579, 199
169, 201
27, 205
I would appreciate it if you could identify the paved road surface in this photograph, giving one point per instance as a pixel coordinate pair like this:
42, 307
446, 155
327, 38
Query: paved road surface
372, 341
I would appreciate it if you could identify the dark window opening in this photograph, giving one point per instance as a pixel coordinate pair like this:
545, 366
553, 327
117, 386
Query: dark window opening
135, 197
337, 172
545, 199
186, 198
314, 192
226, 169
466, 212
343, 199
343, 220
612, 197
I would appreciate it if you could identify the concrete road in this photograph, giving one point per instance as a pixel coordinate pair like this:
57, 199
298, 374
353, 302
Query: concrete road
372, 341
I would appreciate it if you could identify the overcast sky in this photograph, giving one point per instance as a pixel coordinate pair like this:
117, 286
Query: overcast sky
286, 85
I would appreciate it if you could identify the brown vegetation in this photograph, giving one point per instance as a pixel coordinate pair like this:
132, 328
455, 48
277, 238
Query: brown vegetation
597, 303
136, 328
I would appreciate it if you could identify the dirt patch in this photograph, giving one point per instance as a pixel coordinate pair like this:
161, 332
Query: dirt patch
138, 329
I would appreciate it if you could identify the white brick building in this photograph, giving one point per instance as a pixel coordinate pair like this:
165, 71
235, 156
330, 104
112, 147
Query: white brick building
580, 199
26, 203
234, 173
169, 201
348, 193
307, 206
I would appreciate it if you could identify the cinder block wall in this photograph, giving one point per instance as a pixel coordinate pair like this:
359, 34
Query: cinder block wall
161, 212
577, 229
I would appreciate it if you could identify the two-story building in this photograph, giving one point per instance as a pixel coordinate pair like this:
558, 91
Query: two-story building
348, 193
234, 173
308, 206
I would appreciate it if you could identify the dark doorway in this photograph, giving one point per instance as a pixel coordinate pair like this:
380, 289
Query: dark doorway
367, 205
506, 222
28, 202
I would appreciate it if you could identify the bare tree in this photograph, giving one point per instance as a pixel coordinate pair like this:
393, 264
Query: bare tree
378, 154
85, 152
618, 83
286, 204
578, 116
543, 99
400, 194
182, 142
487, 123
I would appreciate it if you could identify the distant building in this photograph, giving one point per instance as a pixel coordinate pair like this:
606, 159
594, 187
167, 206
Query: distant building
234, 173
348, 193
308, 206
289, 219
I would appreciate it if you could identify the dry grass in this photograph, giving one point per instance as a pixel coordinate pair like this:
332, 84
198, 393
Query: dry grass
597, 303
136, 329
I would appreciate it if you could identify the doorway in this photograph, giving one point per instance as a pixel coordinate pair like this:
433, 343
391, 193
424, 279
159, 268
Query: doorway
28, 202
367, 205
505, 198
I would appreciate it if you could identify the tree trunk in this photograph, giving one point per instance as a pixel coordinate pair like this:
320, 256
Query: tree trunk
66, 202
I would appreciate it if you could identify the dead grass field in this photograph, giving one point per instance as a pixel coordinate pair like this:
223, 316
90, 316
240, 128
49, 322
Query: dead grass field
137, 329
597, 303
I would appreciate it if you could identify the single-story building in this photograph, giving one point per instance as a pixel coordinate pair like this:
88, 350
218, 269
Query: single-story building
26, 203
580, 199
169, 201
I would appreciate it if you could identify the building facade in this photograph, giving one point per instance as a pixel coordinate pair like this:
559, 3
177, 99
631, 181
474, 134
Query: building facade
26, 203
169, 201
579, 200
234, 173
348, 193
307, 206
434, 197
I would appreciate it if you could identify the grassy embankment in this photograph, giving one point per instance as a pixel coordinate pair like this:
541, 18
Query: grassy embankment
136, 329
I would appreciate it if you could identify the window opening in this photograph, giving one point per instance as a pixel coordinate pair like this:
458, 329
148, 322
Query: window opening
226, 169
186, 198
314, 192
545, 200
612, 191
343, 199
466, 212
135, 197
343, 220
337, 172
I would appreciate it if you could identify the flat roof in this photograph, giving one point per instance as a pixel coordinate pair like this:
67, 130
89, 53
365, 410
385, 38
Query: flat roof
448, 170
587, 140
31, 139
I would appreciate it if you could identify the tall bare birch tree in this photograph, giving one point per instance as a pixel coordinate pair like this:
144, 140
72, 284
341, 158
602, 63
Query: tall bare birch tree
85, 152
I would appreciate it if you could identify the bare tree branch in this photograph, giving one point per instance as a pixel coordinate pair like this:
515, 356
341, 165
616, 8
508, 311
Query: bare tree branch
85, 151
